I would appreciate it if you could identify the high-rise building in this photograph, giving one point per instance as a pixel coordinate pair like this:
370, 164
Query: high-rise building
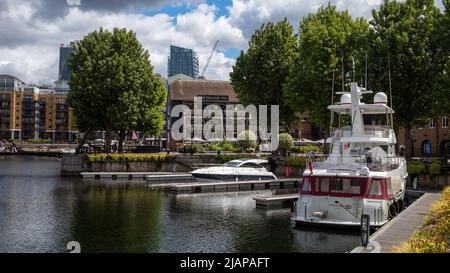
64, 52
182, 61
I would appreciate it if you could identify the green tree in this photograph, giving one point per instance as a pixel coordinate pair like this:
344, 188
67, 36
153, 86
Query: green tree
403, 38
330, 41
259, 73
285, 142
113, 87
442, 61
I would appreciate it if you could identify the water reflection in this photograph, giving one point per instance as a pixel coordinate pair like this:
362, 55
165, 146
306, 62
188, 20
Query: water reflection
41, 211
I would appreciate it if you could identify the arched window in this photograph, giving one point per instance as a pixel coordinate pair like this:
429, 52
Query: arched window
426, 148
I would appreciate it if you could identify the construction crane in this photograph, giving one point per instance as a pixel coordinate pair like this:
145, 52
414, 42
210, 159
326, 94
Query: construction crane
209, 59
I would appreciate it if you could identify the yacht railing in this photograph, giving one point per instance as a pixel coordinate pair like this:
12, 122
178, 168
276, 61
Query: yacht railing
369, 130
338, 162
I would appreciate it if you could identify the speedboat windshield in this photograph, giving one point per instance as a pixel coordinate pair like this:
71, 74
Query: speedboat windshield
233, 163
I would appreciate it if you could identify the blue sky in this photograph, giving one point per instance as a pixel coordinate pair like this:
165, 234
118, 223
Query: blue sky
174, 10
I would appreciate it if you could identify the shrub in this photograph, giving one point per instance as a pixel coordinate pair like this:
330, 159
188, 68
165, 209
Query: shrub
39, 140
187, 148
128, 157
226, 146
415, 167
236, 150
432, 237
212, 147
285, 142
435, 168
307, 149
246, 140
296, 161
228, 157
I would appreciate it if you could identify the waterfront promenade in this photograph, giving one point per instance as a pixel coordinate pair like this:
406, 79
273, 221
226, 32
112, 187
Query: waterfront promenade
401, 228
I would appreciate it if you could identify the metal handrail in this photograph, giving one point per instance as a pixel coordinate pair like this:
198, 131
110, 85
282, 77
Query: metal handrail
368, 130
357, 162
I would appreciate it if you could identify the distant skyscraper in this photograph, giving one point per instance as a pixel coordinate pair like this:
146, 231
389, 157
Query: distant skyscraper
182, 61
64, 52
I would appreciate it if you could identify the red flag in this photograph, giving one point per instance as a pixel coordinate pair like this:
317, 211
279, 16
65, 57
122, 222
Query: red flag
310, 166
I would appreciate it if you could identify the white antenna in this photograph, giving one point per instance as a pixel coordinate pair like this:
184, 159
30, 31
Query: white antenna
342, 66
332, 102
353, 67
390, 87
366, 71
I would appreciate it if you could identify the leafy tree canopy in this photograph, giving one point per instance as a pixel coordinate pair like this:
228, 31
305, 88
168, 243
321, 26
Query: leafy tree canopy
259, 73
112, 84
330, 42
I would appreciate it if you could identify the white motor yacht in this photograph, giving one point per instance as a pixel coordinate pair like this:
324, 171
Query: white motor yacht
243, 169
361, 175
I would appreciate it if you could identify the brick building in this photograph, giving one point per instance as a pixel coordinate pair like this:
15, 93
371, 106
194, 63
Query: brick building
182, 90
30, 112
430, 138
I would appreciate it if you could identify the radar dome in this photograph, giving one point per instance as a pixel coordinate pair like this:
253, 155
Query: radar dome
346, 99
380, 98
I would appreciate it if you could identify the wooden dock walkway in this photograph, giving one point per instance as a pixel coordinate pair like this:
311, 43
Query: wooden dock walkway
276, 201
232, 186
400, 229
141, 176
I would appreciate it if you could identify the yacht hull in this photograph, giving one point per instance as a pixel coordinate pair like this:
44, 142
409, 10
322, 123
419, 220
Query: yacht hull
230, 177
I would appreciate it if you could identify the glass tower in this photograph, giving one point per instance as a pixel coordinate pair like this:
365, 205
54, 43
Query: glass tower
64, 52
182, 61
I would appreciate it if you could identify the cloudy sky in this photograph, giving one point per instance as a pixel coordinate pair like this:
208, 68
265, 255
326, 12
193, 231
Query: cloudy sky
31, 31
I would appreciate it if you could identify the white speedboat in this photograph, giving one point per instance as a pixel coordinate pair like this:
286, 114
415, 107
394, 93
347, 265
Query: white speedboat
362, 175
243, 169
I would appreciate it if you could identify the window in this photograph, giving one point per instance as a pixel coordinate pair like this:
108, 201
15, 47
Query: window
306, 185
324, 185
432, 124
375, 188
445, 122
251, 165
355, 186
337, 184
420, 124
390, 191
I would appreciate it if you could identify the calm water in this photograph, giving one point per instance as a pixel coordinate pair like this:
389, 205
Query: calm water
41, 211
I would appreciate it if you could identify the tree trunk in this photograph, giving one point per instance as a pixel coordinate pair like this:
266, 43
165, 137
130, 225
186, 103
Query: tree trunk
122, 135
108, 138
408, 142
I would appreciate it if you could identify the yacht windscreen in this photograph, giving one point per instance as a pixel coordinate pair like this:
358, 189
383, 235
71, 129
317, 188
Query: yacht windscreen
233, 163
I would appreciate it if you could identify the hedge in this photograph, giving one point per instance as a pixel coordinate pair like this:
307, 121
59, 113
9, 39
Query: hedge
415, 167
128, 157
306, 149
433, 236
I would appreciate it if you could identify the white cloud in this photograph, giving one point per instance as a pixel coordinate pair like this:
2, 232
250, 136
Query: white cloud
249, 15
34, 57
29, 44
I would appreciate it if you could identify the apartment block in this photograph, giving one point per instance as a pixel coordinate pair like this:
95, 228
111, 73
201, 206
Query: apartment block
30, 112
